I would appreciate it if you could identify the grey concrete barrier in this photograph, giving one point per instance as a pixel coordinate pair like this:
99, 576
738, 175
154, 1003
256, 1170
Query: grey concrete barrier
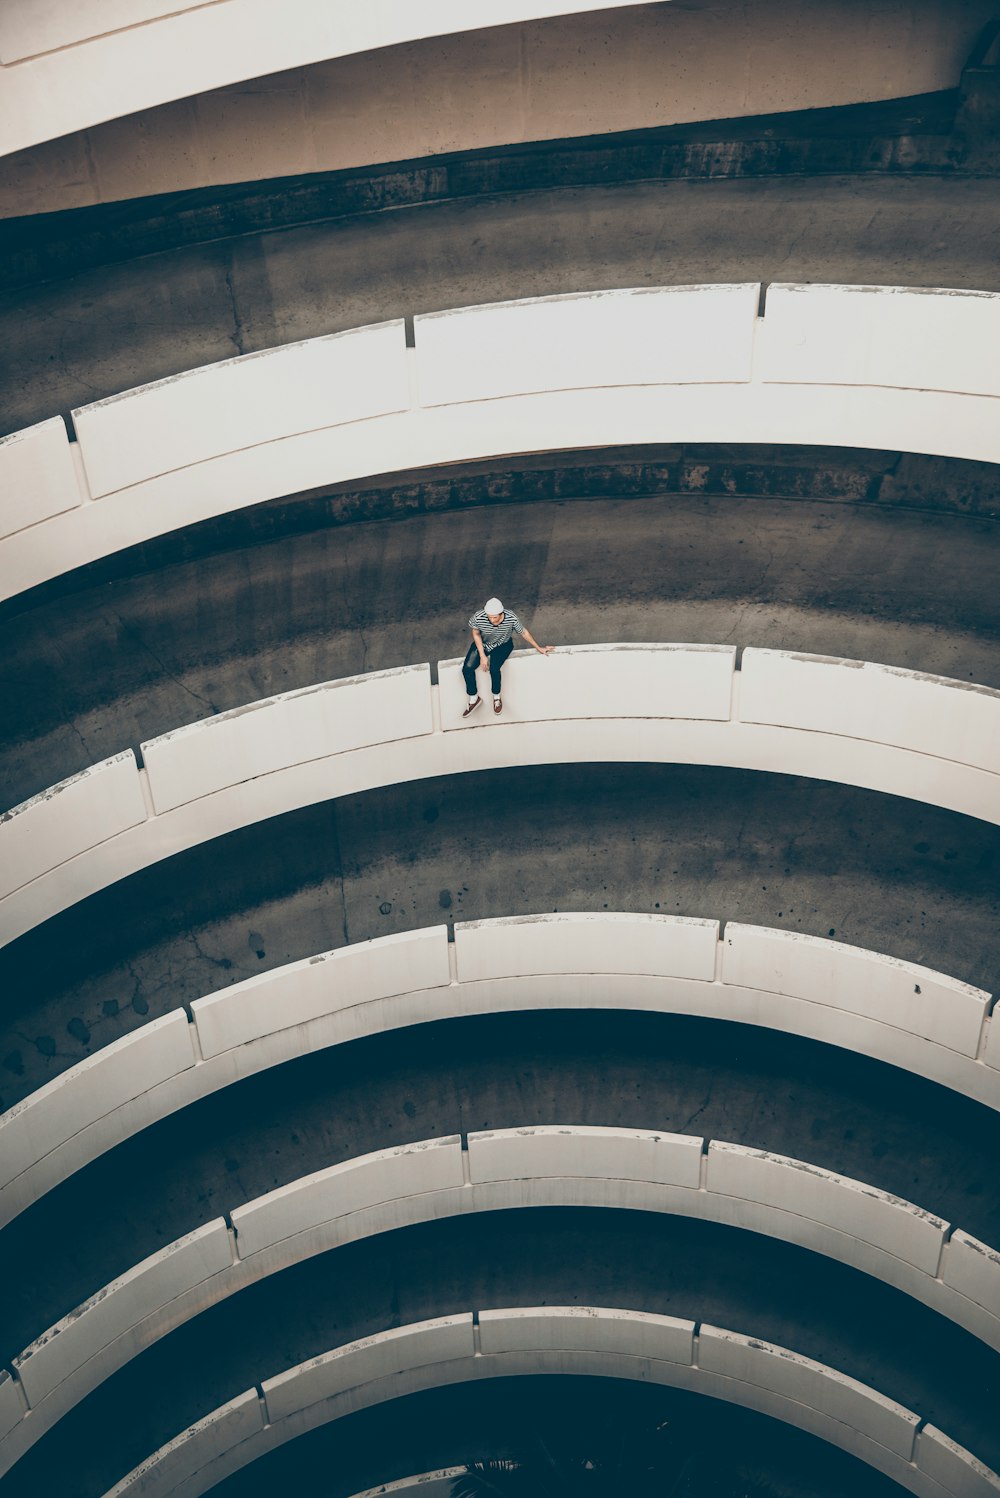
499, 1170
271, 757
882, 367
581, 1340
900, 1013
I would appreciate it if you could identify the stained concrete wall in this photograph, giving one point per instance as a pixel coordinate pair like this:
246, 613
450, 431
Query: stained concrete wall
663, 365
619, 69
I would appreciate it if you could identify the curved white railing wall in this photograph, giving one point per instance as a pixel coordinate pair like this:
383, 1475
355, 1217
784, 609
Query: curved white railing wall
74, 63
69, 64
877, 367
583, 1340
501, 1170
901, 732
896, 1012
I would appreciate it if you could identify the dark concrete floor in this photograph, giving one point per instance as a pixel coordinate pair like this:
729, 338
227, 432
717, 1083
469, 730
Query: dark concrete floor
672, 1266
88, 673
871, 870
76, 340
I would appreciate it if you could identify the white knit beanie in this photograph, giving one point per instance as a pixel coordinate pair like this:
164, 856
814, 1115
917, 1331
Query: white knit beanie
493, 606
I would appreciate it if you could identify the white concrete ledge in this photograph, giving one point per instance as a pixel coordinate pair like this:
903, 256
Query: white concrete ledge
809, 986
279, 733
883, 367
781, 1372
973, 1268
678, 704
540, 1166
69, 819
293, 996
777, 1182
901, 994
76, 63
342, 1190
38, 477
187, 420
586, 1340
954, 1468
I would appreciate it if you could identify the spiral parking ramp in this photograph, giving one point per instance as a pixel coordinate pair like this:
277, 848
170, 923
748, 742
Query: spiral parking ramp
383, 1093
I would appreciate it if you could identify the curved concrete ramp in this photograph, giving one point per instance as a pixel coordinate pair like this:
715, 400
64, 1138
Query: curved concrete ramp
554, 1166
558, 1339
854, 366
899, 732
897, 1012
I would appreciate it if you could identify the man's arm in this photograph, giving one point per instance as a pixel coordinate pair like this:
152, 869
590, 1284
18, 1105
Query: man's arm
542, 649
484, 664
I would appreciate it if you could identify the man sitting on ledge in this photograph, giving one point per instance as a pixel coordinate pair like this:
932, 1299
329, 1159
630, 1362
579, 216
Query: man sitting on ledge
492, 629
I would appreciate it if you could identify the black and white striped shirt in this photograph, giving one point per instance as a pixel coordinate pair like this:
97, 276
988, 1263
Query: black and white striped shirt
496, 634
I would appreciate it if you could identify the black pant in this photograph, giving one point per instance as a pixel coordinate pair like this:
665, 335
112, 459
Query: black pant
496, 659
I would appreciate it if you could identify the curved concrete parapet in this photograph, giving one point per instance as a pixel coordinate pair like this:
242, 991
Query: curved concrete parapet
900, 732
881, 367
72, 64
437, 1484
581, 1340
500, 1170
69, 820
896, 1012
655, 75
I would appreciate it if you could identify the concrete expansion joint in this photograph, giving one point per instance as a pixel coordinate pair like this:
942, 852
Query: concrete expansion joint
262, 1401
234, 1234
199, 1054
466, 1162
477, 1345
720, 948
452, 960
695, 1344
15, 1379
144, 785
